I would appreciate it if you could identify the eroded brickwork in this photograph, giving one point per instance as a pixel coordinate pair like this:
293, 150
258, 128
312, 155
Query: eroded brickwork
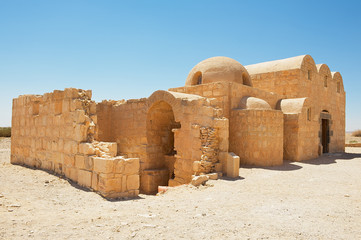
56, 132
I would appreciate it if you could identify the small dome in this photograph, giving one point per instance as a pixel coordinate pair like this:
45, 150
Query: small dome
254, 103
218, 69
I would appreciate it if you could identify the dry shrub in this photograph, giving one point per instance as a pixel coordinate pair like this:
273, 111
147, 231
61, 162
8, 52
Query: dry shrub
5, 131
356, 133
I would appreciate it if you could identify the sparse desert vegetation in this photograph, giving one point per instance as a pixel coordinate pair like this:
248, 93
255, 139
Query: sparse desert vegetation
5, 131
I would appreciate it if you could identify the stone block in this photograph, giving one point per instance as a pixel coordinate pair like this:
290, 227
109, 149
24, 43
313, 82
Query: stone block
133, 182
213, 176
173, 183
80, 161
109, 184
93, 108
80, 133
86, 149
103, 165
119, 164
95, 180
198, 180
71, 173
69, 160
85, 178
79, 116
47, 165
131, 166
58, 168
89, 162
232, 165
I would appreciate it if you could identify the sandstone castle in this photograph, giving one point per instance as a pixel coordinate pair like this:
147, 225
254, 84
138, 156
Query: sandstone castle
227, 115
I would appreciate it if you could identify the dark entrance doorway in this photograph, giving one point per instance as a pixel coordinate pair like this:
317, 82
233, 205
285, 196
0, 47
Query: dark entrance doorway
159, 165
325, 135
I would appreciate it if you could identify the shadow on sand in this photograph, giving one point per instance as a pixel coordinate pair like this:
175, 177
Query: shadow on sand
286, 166
328, 158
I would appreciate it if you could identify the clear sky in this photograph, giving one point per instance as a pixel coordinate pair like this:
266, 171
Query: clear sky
129, 49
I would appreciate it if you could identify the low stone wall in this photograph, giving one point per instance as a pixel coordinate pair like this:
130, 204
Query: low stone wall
56, 132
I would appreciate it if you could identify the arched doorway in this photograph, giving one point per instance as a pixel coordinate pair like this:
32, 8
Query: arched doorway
160, 149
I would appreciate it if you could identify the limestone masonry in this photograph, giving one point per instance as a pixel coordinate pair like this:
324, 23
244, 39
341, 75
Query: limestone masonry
225, 116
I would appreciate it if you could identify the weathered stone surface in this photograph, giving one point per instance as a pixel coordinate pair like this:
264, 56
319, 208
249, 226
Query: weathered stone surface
198, 180
289, 109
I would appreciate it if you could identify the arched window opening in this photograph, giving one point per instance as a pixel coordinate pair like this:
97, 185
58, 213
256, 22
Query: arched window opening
199, 79
309, 75
325, 81
338, 87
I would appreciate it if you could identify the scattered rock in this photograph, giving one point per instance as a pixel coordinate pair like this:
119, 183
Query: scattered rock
1, 195
213, 176
346, 195
15, 205
198, 180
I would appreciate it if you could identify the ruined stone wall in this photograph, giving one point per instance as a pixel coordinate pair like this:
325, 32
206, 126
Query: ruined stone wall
256, 136
56, 132
218, 94
143, 128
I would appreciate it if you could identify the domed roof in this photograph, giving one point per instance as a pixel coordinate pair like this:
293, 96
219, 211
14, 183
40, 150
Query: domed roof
218, 69
254, 103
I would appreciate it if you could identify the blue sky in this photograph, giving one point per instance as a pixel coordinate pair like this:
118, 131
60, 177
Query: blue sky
129, 49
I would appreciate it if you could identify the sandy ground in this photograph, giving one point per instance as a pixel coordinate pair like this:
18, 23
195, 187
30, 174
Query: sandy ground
318, 199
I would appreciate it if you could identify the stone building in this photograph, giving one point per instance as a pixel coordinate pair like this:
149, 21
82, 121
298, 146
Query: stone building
225, 115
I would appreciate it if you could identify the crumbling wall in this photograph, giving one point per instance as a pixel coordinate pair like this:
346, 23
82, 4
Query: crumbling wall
200, 135
56, 132
139, 127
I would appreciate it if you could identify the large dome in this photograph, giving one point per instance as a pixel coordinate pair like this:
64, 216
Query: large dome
218, 69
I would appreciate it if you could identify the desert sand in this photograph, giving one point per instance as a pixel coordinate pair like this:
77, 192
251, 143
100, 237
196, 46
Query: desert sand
317, 199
